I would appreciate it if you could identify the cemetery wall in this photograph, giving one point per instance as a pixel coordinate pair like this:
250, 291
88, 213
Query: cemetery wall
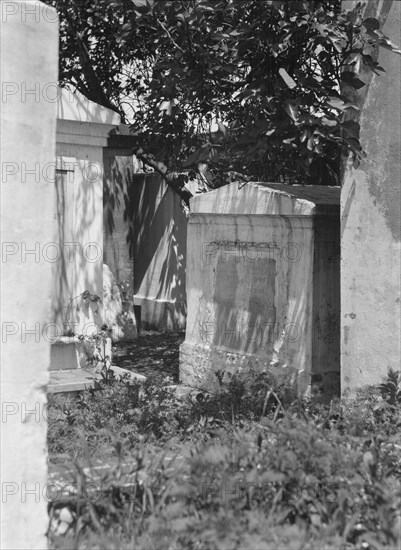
370, 240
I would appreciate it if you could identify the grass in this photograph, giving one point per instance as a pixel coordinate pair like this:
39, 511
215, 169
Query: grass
250, 466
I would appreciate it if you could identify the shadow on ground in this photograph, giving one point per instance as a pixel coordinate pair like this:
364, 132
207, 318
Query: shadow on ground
152, 353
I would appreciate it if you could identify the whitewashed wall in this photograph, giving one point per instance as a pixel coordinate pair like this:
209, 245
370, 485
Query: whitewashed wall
371, 224
29, 61
82, 130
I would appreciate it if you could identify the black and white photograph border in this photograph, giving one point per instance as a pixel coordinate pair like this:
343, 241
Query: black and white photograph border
200, 274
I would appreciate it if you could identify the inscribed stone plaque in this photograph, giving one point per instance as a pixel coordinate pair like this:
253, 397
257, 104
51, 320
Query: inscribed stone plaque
243, 303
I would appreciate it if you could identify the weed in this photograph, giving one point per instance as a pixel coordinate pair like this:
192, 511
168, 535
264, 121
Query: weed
250, 466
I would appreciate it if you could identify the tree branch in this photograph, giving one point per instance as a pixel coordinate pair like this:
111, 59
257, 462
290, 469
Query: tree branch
94, 89
173, 179
169, 35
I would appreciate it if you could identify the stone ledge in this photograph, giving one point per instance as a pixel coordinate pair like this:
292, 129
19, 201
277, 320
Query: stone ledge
71, 380
100, 474
75, 380
67, 340
135, 377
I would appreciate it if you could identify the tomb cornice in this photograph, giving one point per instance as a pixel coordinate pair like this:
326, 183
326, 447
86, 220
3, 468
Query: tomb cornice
268, 199
76, 107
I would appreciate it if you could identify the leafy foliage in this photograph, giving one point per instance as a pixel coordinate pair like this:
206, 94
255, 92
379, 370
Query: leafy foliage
226, 88
311, 476
391, 387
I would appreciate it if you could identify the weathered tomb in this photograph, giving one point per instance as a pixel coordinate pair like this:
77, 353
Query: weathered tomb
82, 130
263, 284
84, 296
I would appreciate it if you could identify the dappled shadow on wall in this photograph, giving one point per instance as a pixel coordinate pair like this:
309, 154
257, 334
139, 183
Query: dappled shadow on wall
78, 238
160, 240
155, 230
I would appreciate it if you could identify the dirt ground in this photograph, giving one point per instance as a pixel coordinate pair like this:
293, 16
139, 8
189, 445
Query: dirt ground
151, 353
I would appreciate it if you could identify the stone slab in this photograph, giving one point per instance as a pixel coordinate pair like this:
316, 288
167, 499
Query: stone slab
135, 377
104, 474
71, 380
75, 380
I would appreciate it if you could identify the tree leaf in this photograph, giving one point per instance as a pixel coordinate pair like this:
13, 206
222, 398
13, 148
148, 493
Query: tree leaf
349, 78
329, 122
338, 103
352, 128
292, 110
371, 23
143, 5
234, 61
287, 78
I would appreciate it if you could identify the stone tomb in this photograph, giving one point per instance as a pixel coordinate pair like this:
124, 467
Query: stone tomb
76, 255
82, 130
263, 285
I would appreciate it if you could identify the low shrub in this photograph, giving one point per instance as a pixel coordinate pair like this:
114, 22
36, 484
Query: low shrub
247, 467
119, 409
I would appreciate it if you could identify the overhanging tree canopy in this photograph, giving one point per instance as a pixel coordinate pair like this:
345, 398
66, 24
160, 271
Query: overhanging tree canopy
250, 89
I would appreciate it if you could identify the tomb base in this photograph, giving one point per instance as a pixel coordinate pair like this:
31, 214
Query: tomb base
202, 366
72, 353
